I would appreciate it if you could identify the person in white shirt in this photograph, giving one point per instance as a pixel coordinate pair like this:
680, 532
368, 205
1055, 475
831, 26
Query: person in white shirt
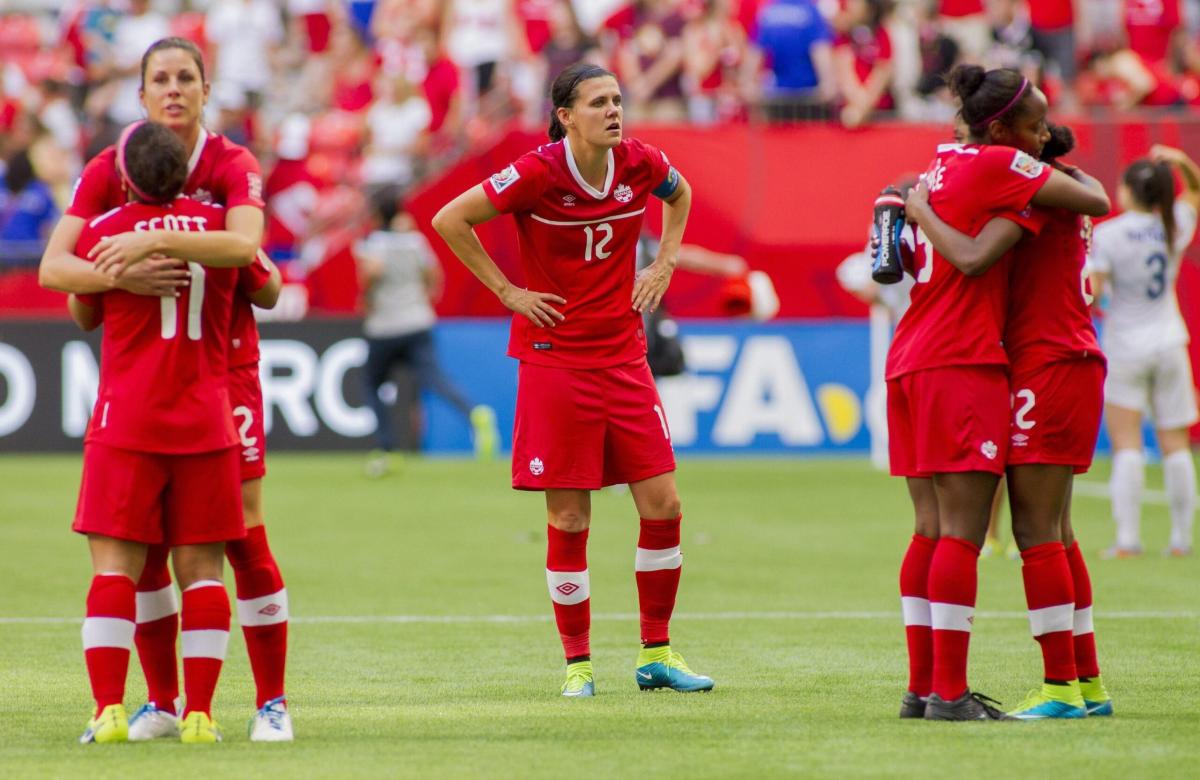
1136, 258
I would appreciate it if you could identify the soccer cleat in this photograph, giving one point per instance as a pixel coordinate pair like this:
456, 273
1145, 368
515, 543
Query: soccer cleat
1177, 551
912, 705
149, 722
1095, 697
661, 667
379, 464
484, 432
1013, 552
199, 729
969, 706
1117, 552
579, 682
990, 547
111, 725
272, 723
1052, 701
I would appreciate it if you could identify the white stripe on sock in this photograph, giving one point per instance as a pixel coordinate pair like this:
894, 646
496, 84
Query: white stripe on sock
156, 604
658, 560
916, 611
107, 632
951, 617
1083, 621
1050, 620
204, 584
568, 587
205, 643
264, 610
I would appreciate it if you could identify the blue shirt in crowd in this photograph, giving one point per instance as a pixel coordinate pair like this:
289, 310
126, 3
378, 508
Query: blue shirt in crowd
786, 32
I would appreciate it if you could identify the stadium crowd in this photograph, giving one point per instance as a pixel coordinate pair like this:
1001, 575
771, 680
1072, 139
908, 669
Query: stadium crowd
342, 98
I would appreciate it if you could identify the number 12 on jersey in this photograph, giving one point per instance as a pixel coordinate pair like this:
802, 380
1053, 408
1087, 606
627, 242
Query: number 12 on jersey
595, 250
170, 307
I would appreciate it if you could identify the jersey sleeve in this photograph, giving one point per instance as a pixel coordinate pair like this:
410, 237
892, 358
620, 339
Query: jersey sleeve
662, 174
243, 180
90, 196
1029, 219
517, 187
1010, 178
252, 278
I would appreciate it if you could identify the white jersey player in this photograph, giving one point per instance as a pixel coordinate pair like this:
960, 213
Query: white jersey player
1136, 258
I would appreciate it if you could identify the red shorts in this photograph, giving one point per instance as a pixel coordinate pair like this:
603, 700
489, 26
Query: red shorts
1056, 411
245, 396
945, 420
588, 428
160, 498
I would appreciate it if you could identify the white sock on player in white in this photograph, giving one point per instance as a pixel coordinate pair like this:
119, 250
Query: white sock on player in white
1179, 473
1126, 485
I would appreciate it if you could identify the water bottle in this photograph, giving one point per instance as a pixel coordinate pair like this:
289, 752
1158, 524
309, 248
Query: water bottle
888, 223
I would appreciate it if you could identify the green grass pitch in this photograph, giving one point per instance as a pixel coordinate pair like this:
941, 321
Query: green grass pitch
421, 641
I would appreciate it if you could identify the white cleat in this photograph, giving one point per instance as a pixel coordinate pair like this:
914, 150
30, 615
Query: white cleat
272, 723
149, 722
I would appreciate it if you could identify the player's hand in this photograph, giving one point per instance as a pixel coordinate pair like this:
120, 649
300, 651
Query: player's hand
114, 255
916, 202
1168, 154
651, 284
158, 276
534, 305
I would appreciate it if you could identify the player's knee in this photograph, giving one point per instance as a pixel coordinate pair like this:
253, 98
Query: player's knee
669, 506
570, 520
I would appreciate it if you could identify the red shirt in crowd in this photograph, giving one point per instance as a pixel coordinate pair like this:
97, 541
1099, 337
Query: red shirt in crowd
1051, 15
958, 8
870, 47
1149, 25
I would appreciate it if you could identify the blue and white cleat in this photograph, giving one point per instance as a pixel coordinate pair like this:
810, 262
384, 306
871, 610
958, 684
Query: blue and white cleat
660, 667
580, 681
1095, 698
1052, 701
149, 722
272, 723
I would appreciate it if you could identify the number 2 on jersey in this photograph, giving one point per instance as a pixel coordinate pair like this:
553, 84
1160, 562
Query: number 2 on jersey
605, 231
170, 307
1157, 262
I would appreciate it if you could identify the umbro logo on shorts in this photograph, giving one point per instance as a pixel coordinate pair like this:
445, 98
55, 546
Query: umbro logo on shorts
1020, 440
989, 449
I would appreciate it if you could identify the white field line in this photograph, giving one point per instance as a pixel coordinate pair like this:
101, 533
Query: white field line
622, 616
1090, 489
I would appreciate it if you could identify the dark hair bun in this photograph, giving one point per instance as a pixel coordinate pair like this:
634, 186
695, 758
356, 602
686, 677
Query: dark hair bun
1062, 141
965, 80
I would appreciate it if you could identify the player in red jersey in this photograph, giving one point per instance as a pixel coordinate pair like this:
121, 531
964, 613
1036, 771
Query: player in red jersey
948, 410
160, 464
173, 93
588, 414
1057, 381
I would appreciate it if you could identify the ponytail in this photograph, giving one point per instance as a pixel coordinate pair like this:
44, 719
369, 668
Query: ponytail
1152, 186
565, 89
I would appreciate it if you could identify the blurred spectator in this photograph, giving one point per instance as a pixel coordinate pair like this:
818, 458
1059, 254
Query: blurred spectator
311, 24
396, 128
716, 64
1151, 27
650, 63
356, 66
966, 22
481, 36
243, 37
795, 39
1122, 79
57, 115
27, 213
441, 86
133, 34
567, 44
291, 191
863, 61
1052, 24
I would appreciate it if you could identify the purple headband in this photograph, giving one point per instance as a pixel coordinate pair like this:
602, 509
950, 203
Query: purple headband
122, 142
1003, 111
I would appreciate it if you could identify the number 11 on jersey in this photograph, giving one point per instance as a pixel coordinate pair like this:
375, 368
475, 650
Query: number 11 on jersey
170, 307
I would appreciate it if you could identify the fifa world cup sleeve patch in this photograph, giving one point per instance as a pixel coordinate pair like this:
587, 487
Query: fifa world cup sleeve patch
668, 186
1026, 166
504, 179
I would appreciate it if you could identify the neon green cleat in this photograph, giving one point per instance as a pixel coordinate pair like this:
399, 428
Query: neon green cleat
199, 729
1052, 701
1095, 697
660, 667
579, 682
111, 725
991, 546
484, 432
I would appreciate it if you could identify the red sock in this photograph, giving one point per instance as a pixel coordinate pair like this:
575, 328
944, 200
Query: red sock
570, 589
262, 608
157, 627
205, 638
1086, 663
952, 586
657, 566
108, 636
914, 601
1050, 595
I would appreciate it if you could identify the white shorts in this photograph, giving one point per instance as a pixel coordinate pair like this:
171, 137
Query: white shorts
1159, 383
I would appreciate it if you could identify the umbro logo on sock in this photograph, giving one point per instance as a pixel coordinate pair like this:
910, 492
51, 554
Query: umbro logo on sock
270, 610
567, 588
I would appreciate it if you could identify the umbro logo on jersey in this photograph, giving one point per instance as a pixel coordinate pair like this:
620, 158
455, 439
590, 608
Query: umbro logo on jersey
568, 200
567, 588
536, 467
623, 193
989, 449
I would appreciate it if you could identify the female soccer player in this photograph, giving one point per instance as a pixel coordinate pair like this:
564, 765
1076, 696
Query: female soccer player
948, 393
173, 93
160, 460
588, 414
1056, 380
1137, 256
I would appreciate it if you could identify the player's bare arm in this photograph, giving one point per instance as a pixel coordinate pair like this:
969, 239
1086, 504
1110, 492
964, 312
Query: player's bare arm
1188, 171
652, 281
456, 222
1079, 193
970, 255
267, 296
233, 247
62, 270
83, 315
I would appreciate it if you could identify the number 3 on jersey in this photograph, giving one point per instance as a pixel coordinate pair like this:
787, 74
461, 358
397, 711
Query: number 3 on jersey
170, 307
595, 249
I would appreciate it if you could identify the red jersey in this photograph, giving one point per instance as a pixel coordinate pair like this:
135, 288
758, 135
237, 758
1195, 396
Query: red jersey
163, 360
219, 171
1051, 14
1149, 25
1049, 316
580, 243
956, 319
870, 48
959, 8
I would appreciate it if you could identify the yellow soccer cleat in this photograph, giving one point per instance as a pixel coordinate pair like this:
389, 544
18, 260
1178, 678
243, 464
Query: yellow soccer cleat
111, 725
199, 729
